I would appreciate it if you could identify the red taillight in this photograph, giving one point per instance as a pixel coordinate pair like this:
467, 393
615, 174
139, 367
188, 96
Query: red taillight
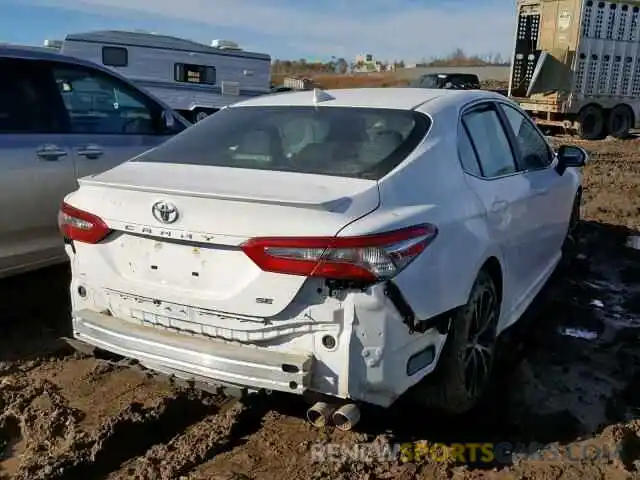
367, 258
81, 226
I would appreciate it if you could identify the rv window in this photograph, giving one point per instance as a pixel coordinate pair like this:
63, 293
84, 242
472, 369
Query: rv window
115, 56
205, 75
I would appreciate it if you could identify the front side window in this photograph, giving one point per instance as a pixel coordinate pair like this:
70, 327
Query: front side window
490, 142
201, 74
534, 150
98, 103
339, 141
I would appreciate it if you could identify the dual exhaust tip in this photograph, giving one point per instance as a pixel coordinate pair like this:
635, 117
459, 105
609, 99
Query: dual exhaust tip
343, 418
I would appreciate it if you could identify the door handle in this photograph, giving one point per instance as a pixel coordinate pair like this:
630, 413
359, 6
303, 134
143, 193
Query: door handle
498, 206
91, 152
540, 191
50, 153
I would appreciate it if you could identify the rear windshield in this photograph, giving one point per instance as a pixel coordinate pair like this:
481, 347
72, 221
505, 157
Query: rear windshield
339, 141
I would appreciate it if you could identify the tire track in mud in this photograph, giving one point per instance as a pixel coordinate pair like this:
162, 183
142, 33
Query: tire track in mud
36, 422
129, 434
212, 435
64, 434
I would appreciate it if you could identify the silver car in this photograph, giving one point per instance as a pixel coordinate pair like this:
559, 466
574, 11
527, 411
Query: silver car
62, 118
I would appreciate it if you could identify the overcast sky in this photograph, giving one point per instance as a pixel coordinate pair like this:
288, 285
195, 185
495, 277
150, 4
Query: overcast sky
400, 29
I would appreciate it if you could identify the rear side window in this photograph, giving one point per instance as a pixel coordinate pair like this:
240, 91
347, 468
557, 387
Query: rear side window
490, 142
339, 141
467, 154
115, 56
27, 98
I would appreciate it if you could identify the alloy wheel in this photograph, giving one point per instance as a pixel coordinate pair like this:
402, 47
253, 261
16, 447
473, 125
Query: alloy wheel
480, 347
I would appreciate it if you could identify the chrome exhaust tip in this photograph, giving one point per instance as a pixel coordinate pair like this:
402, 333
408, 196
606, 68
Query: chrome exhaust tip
346, 417
320, 414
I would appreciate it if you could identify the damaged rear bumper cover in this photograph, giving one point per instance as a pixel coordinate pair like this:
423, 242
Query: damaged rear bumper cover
189, 357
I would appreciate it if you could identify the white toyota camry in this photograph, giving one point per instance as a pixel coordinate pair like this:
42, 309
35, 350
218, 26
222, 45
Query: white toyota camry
343, 244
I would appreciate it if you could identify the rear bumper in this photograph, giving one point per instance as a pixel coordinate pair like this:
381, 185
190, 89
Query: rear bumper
187, 357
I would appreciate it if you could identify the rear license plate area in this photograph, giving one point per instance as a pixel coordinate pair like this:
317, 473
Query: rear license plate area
169, 263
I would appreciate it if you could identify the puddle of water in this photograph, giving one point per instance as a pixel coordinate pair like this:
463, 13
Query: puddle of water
579, 333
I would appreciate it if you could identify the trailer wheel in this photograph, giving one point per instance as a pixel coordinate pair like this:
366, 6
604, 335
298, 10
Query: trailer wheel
591, 124
620, 121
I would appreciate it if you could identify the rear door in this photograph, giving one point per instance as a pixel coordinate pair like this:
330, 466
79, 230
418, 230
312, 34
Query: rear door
489, 160
36, 166
110, 121
553, 194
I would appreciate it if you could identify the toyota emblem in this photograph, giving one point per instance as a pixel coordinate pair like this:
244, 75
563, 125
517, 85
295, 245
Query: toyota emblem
165, 212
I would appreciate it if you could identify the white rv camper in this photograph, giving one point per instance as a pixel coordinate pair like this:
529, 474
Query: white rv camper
193, 78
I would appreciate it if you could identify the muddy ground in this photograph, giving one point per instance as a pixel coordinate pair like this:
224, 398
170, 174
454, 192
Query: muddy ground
572, 387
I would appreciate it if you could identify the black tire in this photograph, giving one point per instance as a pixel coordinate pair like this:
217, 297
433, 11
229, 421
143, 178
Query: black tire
620, 121
591, 123
199, 115
451, 388
570, 245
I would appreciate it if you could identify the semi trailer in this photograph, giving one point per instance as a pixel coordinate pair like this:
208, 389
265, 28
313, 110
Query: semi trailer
576, 65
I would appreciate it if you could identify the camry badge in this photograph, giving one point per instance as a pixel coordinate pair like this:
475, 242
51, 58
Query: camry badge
165, 212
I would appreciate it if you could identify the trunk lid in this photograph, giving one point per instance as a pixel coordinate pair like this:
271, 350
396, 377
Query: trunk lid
197, 260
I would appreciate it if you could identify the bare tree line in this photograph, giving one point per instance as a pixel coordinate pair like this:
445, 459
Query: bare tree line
341, 66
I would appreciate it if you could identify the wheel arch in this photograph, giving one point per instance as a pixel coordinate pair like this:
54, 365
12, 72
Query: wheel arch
590, 104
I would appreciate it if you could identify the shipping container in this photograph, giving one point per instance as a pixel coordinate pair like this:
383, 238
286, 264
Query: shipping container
576, 64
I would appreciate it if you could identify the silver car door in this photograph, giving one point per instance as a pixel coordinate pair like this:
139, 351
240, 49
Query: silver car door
36, 167
110, 121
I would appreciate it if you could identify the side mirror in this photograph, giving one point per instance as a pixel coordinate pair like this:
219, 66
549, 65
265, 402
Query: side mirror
571, 156
168, 120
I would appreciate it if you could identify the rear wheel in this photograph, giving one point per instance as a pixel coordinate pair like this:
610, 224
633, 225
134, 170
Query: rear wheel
466, 365
591, 123
620, 121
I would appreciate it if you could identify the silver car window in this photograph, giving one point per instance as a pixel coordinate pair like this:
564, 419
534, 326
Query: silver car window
97, 103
